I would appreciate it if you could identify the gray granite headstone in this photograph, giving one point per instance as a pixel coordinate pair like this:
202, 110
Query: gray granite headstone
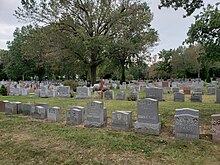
154, 93
210, 90
27, 108
148, 117
178, 97
54, 114
216, 127
96, 114
39, 113
186, 124
44, 91
63, 91
75, 115
109, 95
45, 105
82, 93
217, 95
175, 89
121, 120
2, 106
196, 97
198, 89
121, 95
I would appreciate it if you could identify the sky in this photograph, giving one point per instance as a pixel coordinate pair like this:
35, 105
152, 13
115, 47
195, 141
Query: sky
171, 26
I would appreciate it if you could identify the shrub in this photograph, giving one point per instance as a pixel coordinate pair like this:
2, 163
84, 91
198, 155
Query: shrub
3, 91
71, 83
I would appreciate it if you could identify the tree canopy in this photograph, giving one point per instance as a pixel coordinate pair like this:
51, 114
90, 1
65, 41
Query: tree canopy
89, 27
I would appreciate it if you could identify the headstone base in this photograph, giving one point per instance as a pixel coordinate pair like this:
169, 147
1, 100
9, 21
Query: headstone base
186, 136
148, 128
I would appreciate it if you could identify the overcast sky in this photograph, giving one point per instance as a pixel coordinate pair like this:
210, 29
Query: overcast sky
170, 24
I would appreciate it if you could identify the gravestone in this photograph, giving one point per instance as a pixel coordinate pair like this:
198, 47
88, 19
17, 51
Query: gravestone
186, 124
109, 95
178, 97
210, 90
45, 105
96, 114
155, 93
121, 95
217, 95
75, 115
2, 105
9, 108
82, 93
54, 114
63, 91
52, 93
27, 108
43, 91
165, 84
24, 92
216, 127
39, 113
121, 120
133, 96
186, 90
196, 97
175, 89
198, 90
98, 95
148, 117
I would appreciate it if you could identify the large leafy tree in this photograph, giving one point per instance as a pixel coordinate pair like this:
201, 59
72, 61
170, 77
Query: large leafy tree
18, 67
206, 32
87, 24
132, 38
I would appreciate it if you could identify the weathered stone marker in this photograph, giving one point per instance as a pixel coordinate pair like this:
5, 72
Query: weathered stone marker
121, 120
216, 127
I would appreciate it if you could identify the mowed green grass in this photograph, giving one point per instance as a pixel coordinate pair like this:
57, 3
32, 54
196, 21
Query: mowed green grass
24, 140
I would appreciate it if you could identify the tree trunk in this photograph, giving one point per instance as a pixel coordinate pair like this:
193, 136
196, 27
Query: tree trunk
93, 74
123, 72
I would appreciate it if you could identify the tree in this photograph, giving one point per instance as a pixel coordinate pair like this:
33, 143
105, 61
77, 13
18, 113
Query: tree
205, 31
17, 66
87, 24
164, 68
188, 5
3, 60
133, 36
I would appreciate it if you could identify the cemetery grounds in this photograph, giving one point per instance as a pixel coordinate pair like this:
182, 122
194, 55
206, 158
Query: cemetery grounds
24, 140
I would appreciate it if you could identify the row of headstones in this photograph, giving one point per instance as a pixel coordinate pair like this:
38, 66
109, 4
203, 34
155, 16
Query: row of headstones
59, 91
148, 117
19, 91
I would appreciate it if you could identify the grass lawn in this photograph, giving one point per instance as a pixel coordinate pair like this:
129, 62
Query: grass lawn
24, 140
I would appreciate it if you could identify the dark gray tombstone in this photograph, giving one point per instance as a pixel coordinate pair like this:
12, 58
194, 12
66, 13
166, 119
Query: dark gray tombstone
82, 93
175, 89
154, 93
210, 90
2, 105
54, 114
121, 95
39, 113
9, 108
27, 108
75, 115
217, 95
96, 114
178, 97
148, 117
121, 120
216, 127
45, 105
186, 124
108, 95
196, 97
